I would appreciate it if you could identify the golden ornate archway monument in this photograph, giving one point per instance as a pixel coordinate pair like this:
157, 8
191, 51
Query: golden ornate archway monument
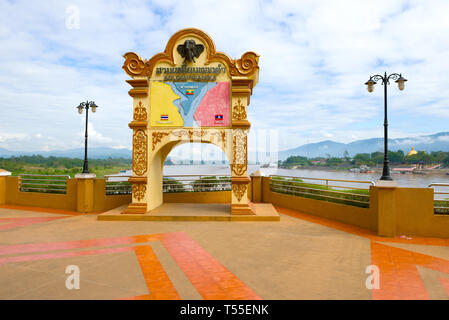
188, 93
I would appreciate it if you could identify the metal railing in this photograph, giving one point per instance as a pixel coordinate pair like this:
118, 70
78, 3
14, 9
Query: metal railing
332, 190
118, 184
43, 183
118, 187
440, 198
196, 183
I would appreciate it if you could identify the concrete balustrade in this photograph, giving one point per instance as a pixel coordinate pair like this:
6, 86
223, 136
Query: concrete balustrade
83, 194
393, 211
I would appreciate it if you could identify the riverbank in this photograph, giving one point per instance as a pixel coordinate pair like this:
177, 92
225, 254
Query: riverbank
375, 169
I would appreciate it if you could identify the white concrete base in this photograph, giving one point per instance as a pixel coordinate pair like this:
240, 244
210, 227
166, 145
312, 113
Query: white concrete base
386, 183
85, 175
4, 173
257, 173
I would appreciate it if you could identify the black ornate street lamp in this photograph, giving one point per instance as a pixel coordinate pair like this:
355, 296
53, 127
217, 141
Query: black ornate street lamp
86, 105
385, 81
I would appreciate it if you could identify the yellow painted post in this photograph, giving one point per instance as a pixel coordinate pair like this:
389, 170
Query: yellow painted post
386, 209
3, 175
256, 188
85, 192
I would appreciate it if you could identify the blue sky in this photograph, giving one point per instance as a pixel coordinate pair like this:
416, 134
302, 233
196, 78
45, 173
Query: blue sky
314, 59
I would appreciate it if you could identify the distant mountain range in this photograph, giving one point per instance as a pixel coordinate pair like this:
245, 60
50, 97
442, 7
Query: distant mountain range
428, 143
93, 153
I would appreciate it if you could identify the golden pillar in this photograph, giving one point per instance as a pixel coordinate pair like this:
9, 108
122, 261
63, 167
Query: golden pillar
139, 125
241, 92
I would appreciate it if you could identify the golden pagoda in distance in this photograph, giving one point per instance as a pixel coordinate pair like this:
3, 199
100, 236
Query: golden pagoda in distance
412, 152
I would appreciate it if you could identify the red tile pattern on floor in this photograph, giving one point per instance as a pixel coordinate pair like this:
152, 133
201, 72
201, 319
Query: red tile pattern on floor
142, 297
209, 277
11, 223
47, 256
47, 210
399, 277
77, 244
445, 283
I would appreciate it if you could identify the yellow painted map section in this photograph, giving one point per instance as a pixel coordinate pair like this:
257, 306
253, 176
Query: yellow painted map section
161, 99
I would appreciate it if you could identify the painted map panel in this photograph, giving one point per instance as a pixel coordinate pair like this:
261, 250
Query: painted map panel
190, 104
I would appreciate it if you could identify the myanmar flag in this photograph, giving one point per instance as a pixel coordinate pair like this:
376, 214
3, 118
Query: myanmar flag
189, 92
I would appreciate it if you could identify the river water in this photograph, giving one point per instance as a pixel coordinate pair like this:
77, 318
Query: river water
404, 180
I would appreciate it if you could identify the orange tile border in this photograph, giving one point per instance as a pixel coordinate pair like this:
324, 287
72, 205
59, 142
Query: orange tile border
159, 285
359, 231
399, 277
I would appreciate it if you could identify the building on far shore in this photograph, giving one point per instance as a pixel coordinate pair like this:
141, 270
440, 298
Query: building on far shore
412, 152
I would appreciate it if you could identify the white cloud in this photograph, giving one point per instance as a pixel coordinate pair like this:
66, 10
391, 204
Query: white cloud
314, 58
95, 137
444, 138
12, 136
122, 147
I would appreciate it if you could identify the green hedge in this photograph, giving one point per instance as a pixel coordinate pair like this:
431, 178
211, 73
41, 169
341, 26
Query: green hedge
172, 185
296, 187
444, 206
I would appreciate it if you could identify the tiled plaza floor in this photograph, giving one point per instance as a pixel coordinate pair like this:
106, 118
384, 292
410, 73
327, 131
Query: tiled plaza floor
300, 257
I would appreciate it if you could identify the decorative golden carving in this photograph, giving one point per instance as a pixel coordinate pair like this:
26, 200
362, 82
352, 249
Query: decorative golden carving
239, 152
247, 65
134, 65
157, 137
140, 142
140, 112
220, 135
238, 169
139, 191
239, 111
239, 190
191, 133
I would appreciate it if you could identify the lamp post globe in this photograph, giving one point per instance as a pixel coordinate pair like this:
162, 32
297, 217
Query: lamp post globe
86, 105
370, 86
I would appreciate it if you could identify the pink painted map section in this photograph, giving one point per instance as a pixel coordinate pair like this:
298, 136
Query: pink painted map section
214, 108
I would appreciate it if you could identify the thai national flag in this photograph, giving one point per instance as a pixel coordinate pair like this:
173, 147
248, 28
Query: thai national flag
164, 117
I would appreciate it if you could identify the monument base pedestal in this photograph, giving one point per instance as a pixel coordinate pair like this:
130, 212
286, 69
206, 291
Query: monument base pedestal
242, 209
194, 212
136, 208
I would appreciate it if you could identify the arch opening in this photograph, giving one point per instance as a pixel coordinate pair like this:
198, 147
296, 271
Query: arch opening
189, 168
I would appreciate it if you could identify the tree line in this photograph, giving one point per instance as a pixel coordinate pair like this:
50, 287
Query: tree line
62, 165
369, 159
